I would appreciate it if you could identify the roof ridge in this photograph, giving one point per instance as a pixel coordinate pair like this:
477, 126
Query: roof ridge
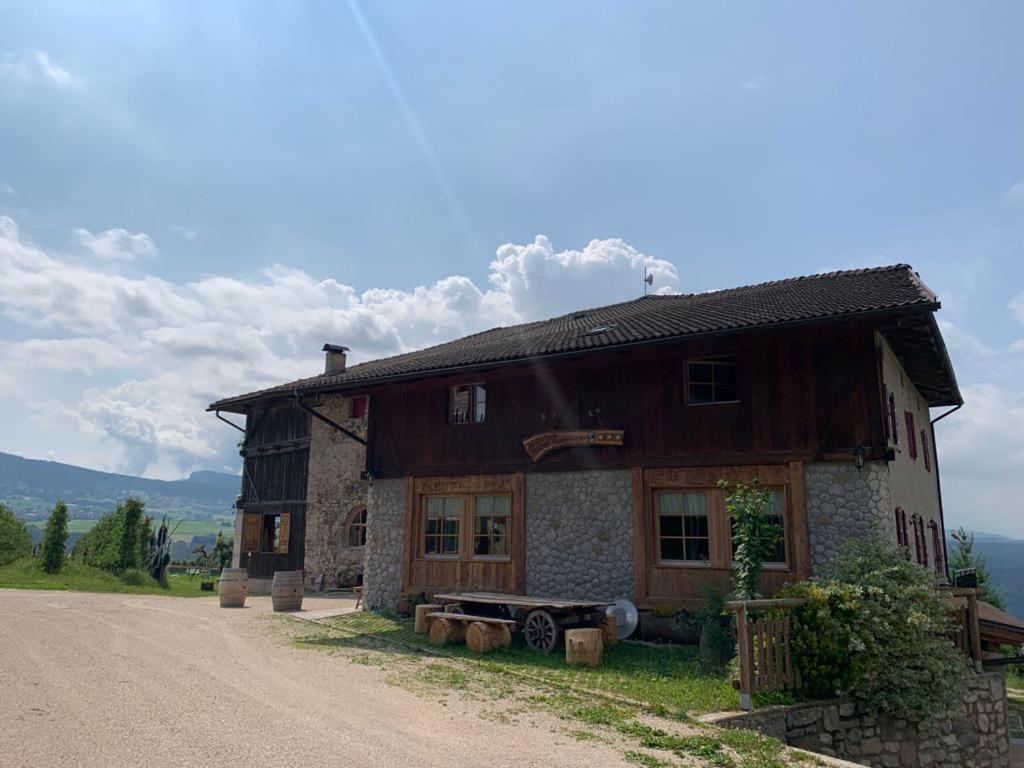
795, 279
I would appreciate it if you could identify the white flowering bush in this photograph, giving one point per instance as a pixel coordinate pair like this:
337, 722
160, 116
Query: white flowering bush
895, 630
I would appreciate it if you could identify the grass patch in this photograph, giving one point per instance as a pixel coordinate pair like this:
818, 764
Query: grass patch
648, 761
667, 679
27, 574
444, 676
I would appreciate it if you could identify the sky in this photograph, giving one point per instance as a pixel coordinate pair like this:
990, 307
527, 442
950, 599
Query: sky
195, 196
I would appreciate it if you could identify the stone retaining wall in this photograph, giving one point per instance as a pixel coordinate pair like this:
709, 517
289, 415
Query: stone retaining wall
385, 538
976, 736
579, 534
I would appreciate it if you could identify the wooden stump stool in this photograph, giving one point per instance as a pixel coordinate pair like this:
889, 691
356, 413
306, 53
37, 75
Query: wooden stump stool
422, 623
584, 646
482, 637
444, 631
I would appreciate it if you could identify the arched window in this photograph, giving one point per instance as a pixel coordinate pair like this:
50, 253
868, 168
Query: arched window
355, 532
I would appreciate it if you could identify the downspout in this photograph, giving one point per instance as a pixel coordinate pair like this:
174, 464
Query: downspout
315, 413
938, 485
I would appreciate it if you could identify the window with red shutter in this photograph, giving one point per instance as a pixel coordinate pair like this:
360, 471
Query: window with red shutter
918, 538
901, 527
358, 407
925, 453
892, 420
936, 546
924, 543
911, 435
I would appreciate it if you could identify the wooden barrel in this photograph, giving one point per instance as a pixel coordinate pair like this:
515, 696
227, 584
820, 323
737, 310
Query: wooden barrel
233, 587
286, 590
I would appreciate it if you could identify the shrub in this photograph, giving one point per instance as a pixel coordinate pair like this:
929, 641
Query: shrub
130, 554
964, 557
15, 540
753, 535
821, 637
135, 577
119, 540
717, 642
55, 539
876, 627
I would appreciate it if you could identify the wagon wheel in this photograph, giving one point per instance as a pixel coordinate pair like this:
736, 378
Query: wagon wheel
541, 631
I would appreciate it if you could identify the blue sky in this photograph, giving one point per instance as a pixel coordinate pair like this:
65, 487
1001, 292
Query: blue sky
157, 160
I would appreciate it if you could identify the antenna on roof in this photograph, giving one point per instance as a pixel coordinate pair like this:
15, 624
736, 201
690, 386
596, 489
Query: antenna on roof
648, 279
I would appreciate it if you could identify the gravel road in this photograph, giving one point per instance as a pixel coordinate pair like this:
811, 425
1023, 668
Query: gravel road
124, 680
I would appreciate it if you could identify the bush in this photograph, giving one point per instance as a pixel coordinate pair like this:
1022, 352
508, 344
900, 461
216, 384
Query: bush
135, 578
55, 539
119, 540
876, 628
15, 540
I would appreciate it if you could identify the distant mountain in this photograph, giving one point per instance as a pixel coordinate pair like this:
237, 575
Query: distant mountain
30, 487
1004, 557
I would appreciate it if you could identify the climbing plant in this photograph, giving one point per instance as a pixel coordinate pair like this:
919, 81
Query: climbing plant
754, 535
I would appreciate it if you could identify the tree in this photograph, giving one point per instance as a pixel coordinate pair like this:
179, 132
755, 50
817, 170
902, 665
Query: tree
131, 535
754, 536
55, 538
15, 540
223, 551
965, 558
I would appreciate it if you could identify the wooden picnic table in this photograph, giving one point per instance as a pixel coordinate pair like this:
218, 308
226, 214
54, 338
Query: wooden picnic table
542, 619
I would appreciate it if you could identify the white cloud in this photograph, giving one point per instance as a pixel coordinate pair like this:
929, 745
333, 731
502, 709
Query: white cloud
40, 66
185, 232
1015, 194
177, 347
755, 83
117, 244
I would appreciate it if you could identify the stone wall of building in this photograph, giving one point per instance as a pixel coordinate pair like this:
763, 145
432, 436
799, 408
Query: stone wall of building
976, 736
385, 537
843, 503
335, 489
579, 534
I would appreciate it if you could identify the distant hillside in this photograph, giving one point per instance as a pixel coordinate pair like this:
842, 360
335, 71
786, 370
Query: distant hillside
1005, 560
30, 487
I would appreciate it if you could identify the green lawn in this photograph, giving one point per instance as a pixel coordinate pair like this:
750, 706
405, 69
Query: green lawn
26, 574
666, 678
185, 530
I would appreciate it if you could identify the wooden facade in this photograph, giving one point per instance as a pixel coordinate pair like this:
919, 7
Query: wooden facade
274, 477
803, 394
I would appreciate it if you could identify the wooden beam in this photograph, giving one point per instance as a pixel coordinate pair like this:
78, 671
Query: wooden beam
639, 534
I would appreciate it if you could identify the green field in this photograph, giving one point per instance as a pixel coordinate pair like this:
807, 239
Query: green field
26, 574
185, 530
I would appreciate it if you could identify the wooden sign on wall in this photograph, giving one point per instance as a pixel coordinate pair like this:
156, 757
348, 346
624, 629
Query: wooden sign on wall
540, 445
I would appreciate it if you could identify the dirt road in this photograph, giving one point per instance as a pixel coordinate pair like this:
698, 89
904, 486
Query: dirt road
116, 680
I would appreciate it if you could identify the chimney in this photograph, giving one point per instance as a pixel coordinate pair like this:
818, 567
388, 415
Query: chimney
335, 362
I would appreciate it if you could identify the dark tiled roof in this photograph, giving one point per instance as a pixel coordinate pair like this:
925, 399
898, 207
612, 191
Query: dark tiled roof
643, 320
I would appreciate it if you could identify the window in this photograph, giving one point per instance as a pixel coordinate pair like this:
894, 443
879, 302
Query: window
441, 533
911, 435
936, 546
920, 543
683, 533
490, 525
266, 533
711, 381
356, 536
776, 516
902, 536
925, 453
892, 420
357, 407
467, 404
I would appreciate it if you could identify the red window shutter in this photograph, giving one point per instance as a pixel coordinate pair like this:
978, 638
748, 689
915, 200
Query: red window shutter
936, 546
902, 538
914, 520
924, 544
894, 433
925, 453
911, 434
358, 406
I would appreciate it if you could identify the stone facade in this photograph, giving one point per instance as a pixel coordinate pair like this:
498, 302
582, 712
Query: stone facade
976, 736
844, 503
334, 492
579, 534
385, 538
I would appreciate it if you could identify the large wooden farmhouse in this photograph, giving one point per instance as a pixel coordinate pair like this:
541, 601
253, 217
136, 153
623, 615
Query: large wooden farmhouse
580, 456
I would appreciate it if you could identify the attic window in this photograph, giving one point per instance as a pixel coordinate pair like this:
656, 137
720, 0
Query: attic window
601, 329
712, 380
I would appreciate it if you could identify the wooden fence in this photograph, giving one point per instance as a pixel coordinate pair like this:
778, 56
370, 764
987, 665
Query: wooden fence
764, 647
